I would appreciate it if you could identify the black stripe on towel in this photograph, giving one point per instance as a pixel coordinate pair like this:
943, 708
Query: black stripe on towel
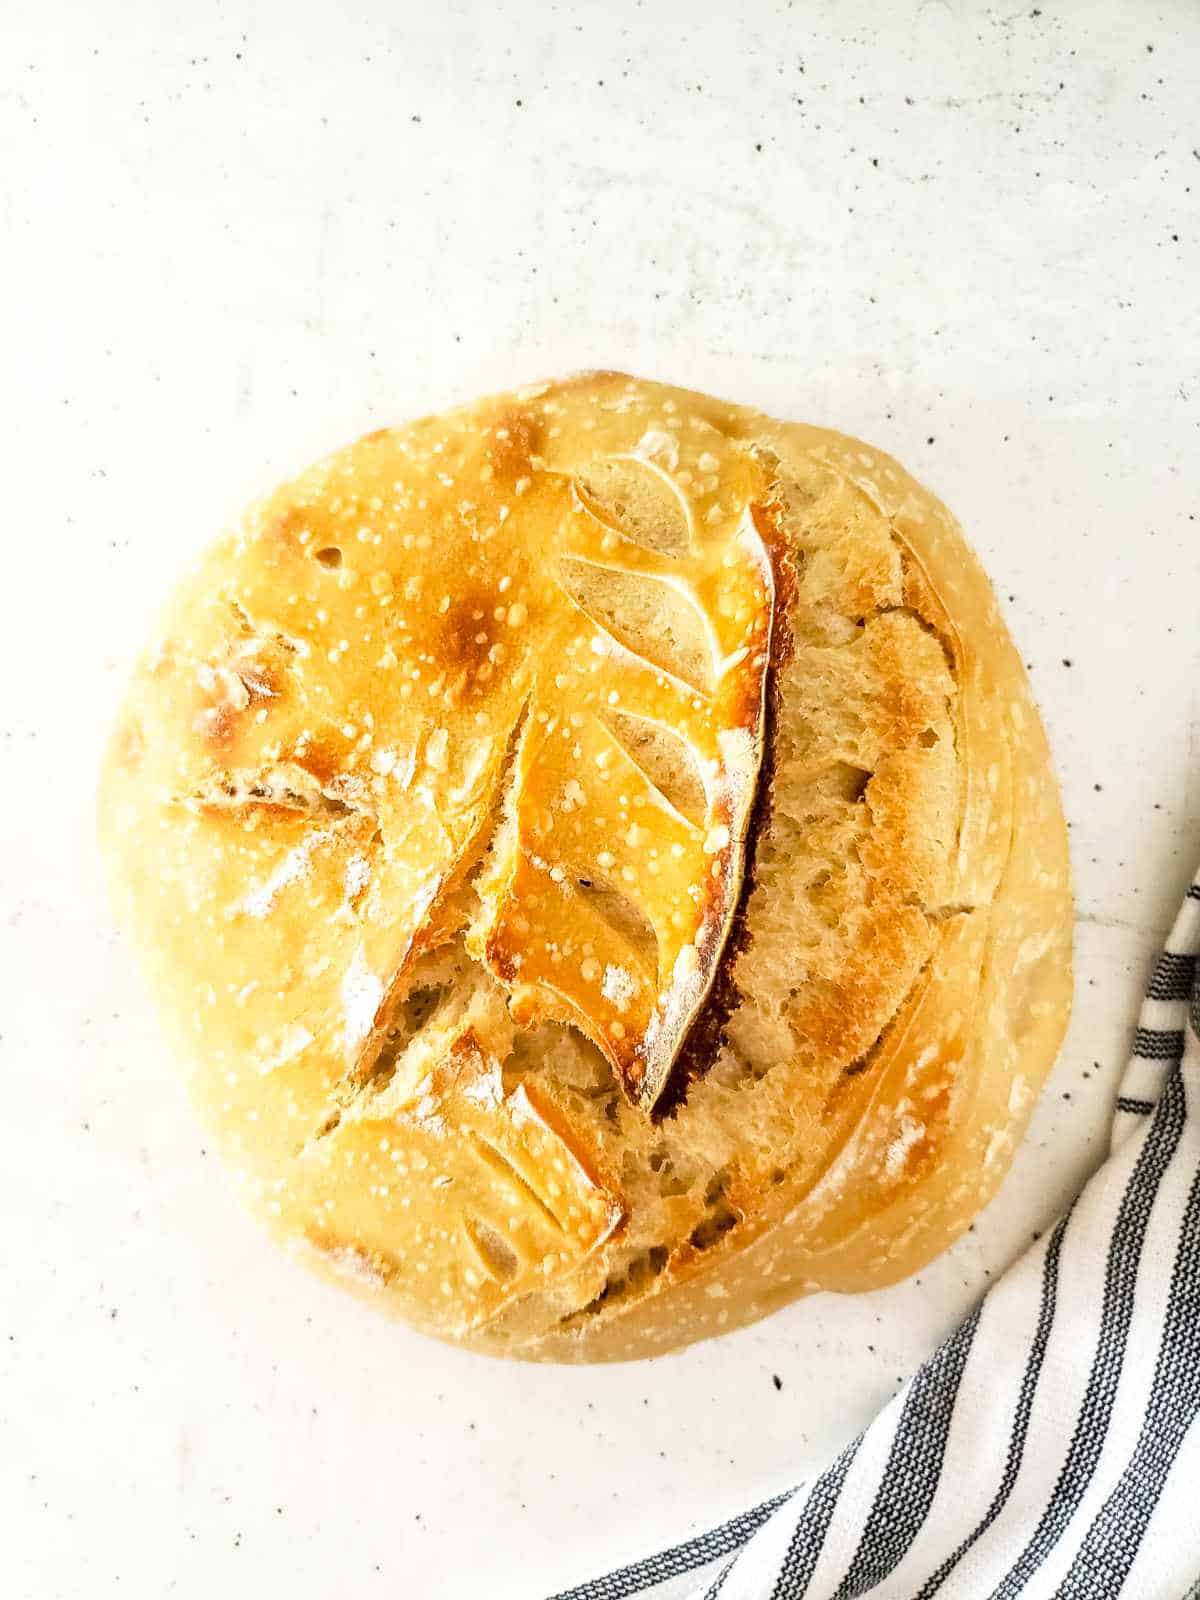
1120, 1282
718, 1583
1137, 1108
1158, 1044
1108, 1552
724, 1540
1173, 977
914, 1466
1020, 1428
808, 1536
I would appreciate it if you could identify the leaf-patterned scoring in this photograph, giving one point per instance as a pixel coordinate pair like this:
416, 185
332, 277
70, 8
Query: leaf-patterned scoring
500, 1194
676, 640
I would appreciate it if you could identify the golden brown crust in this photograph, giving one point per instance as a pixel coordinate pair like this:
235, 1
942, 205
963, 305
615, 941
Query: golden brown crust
905, 976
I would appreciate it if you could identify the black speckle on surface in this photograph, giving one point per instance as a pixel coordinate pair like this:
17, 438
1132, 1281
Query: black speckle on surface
1066, 661
777, 1380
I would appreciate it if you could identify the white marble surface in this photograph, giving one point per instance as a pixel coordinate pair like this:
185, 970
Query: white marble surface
233, 236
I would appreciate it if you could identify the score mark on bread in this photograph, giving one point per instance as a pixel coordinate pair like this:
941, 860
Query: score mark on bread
505, 1197
604, 905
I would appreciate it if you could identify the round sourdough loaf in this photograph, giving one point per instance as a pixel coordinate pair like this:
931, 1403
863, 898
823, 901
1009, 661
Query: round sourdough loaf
598, 853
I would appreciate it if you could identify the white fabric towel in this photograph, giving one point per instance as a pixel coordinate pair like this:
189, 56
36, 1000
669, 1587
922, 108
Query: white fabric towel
1050, 1447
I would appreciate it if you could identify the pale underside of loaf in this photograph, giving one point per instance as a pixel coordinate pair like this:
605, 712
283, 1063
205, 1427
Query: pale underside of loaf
894, 970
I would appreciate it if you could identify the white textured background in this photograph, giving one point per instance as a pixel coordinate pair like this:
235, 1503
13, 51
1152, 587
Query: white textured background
234, 236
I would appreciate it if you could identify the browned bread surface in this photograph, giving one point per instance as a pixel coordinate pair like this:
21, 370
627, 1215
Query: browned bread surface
598, 854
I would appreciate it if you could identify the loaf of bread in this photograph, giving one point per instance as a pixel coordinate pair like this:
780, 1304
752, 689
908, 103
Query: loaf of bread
597, 854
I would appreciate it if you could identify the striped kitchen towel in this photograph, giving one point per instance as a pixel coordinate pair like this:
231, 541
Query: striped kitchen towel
1050, 1448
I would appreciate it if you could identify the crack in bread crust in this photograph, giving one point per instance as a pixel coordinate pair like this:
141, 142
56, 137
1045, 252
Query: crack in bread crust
707, 1034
